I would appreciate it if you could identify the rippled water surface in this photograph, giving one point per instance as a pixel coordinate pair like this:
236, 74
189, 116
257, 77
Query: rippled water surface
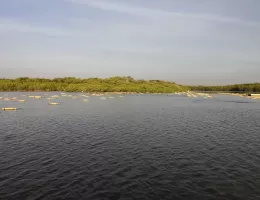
135, 147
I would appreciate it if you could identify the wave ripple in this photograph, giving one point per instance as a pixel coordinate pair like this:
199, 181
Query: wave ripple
142, 147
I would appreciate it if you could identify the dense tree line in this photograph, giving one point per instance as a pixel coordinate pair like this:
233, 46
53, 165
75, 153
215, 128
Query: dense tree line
113, 84
250, 87
71, 84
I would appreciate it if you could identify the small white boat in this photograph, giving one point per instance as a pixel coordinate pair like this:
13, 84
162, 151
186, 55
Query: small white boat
53, 103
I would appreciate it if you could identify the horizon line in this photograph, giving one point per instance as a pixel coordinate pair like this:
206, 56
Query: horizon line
63, 77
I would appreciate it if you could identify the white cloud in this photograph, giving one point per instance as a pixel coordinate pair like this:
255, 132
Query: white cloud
9, 25
170, 43
153, 13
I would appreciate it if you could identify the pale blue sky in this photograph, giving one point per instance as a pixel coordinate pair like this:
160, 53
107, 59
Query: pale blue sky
187, 41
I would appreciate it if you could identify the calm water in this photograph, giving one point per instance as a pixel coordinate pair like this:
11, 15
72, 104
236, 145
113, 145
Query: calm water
136, 147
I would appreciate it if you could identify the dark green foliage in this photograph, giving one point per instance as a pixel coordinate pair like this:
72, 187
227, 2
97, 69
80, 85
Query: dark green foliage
71, 84
113, 84
250, 87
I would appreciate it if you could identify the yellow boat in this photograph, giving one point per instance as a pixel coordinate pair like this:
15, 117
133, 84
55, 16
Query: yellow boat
9, 109
22, 100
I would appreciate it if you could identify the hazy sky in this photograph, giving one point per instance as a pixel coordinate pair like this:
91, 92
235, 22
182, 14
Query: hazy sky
187, 41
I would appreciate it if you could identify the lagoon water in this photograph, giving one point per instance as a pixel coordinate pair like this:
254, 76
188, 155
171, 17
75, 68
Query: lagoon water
135, 147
